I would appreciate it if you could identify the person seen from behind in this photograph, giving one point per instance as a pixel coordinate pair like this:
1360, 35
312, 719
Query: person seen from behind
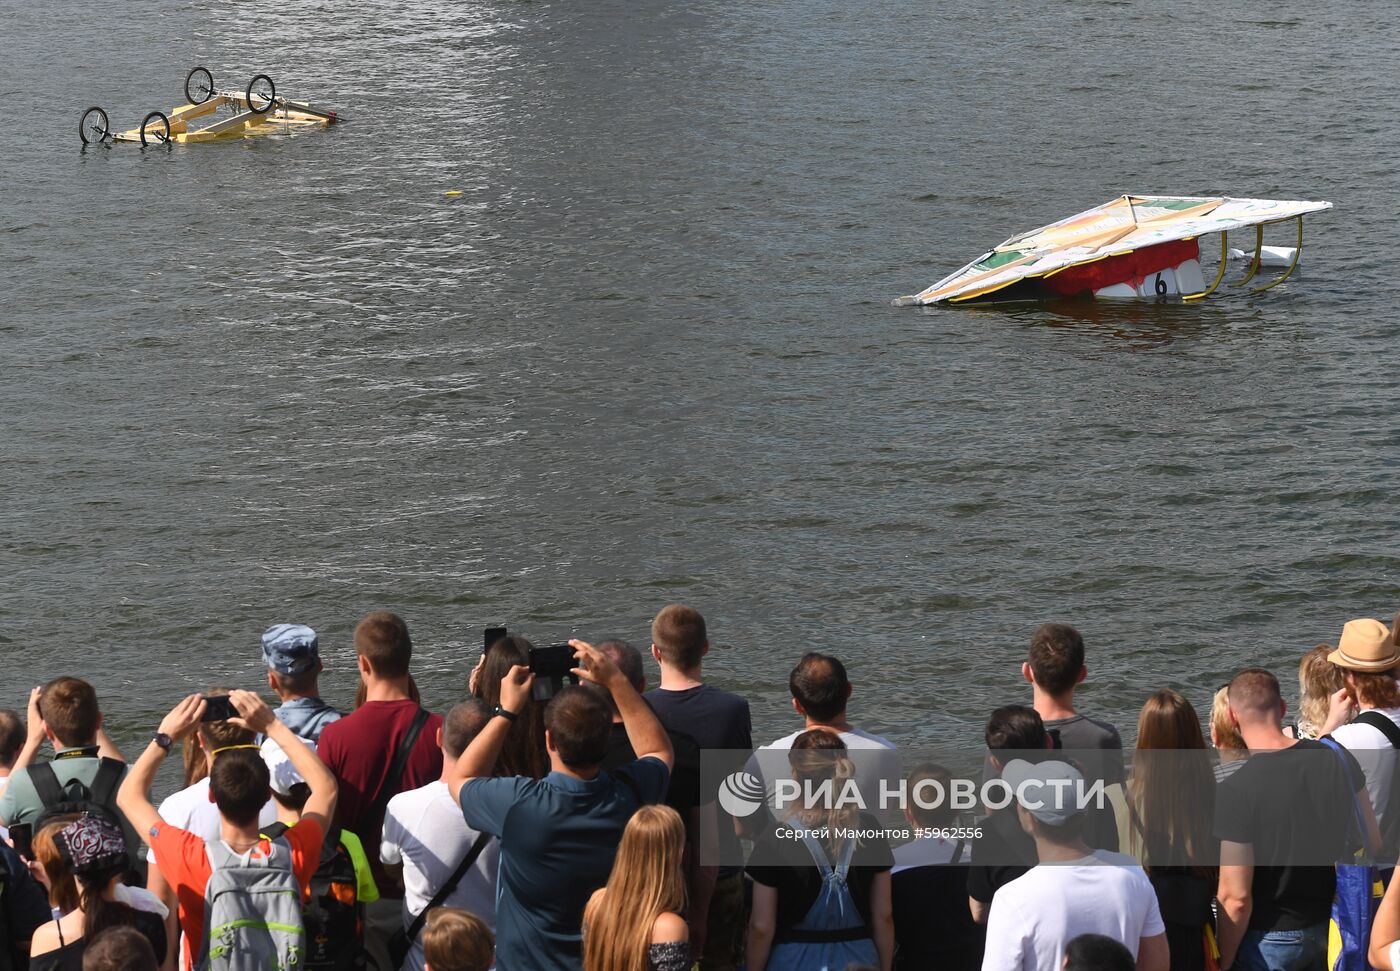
86, 769
1171, 803
718, 721
1291, 796
293, 658
26, 903
12, 735
933, 924
1368, 661
91, 852
1054, 669
1073, 890
426, 838
192, 809
119, 949
362, 750
1002, 850
342, 884
821, 692
559, 834
456, 940
1225, 736
634, 923
524, 752
1324, 704
821, 900
240, 784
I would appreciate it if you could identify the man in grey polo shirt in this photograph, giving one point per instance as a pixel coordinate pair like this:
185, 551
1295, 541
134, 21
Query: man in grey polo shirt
293, 660
559, 834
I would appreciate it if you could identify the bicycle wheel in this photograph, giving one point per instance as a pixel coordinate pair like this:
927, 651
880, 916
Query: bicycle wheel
199, 86
261, 94
155, 129
94, 127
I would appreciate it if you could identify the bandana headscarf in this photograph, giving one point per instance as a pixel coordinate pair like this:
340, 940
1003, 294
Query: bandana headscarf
91, 844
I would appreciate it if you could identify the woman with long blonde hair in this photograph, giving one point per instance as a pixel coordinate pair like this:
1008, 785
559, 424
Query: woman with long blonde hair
634, 923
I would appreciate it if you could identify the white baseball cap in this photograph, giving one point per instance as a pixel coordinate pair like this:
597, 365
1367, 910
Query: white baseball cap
1047, 790
283, 774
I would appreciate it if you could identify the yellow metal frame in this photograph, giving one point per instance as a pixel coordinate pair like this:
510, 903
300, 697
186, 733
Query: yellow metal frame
1258, 260
1297, 255
1219, 273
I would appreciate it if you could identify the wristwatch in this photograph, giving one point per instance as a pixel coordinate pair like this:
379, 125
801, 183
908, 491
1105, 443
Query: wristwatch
161, 739
509, 716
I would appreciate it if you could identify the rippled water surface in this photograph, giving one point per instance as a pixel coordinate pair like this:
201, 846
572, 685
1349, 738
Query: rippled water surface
647, 354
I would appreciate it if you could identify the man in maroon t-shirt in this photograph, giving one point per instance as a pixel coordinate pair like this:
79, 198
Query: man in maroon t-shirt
360, 747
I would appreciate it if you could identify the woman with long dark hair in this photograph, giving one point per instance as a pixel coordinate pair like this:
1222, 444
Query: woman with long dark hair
524, 752
821, 896
1171, 801
88, 854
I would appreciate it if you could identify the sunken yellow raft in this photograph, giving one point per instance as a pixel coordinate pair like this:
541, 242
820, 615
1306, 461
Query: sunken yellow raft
257, 110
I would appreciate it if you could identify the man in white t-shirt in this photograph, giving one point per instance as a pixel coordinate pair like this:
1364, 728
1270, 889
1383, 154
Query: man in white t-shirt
820, 692
426, 837
1073, 890
1368, 658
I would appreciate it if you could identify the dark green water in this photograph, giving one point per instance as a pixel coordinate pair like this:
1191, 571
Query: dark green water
648, 354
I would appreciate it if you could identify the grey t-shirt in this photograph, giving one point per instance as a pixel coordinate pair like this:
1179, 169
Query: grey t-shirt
1095, 745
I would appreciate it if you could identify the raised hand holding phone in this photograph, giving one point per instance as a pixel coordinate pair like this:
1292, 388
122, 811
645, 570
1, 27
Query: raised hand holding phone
594, 665
516, 687
184, 718
253, 712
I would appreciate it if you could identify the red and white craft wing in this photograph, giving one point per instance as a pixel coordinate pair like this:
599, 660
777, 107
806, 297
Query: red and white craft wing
1123, 226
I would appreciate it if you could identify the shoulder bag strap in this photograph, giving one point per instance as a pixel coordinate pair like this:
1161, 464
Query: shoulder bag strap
847, 853
1337, 747
273, 831
1382, 724
818, 853
105, 782
397, 767
46, 785
446, 890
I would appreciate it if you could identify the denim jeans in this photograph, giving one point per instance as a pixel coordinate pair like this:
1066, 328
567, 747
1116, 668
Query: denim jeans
1300, 950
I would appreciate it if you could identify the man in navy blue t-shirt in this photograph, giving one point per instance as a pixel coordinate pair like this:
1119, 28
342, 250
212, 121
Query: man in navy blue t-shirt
717, 720
559, 834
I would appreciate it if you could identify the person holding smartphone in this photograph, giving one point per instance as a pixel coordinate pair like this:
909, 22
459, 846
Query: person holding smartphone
559, 834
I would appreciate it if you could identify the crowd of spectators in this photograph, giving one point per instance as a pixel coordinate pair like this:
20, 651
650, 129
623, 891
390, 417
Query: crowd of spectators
553, 820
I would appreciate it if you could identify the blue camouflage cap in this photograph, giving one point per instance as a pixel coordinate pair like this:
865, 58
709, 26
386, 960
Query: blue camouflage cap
290, 648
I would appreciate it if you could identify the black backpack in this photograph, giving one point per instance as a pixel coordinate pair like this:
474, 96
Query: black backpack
334, 914
98, 799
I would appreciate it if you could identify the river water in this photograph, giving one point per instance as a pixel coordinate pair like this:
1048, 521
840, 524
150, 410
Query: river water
648, 353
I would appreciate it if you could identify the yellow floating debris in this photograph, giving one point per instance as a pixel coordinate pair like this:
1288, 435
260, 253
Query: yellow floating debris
453, 192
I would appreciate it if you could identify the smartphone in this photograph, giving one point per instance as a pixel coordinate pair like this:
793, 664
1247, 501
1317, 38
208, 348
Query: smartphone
554, 662
22, 836
218, 708
493, 634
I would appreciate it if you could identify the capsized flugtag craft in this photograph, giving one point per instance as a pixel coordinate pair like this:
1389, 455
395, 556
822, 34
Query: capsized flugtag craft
256, 110
1135, 247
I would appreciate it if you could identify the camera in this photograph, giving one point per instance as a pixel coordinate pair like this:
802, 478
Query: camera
550, 666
